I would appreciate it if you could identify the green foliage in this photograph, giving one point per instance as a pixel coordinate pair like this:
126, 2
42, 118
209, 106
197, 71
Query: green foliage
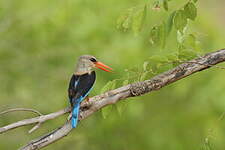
165, 5
190, 41
158, 58
195, 1
157, 4
190, 11
121, 105
207, 144
180, 37
125, 82
145, 64
125, 20
108, 109
185, 54
169, 23
180, 20
109, 86
138, 20
158, 35
133, 18
143, 76
155, 35
187, 42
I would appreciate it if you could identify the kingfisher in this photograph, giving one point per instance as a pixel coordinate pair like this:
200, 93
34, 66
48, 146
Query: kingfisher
81, 83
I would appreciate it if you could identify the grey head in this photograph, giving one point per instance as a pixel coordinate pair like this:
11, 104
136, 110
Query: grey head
85, 64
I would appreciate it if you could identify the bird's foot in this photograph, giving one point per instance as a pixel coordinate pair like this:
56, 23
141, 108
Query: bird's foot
87, 99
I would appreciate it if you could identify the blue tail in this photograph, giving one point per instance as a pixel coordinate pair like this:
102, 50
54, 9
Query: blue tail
75, 114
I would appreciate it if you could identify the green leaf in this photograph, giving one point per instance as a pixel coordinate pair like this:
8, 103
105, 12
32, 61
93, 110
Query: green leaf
180, 37
172, 57
158, 59
125, 20
180, 20
158, 35
165, 5
109, 86
162, 34
120, 106
155, 35
190, 41
138, 20
113, 85
169, 24
156, 5
195, 1
120, 21
143, 76
186, 54
106, 87
190, 10
106, 111
145, 65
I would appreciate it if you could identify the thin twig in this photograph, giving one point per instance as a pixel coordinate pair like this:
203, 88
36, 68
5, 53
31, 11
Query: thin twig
21, 109
38, 119
35, 127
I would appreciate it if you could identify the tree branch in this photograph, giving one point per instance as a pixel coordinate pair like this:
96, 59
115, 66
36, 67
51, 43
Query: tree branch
131, 90
39, 120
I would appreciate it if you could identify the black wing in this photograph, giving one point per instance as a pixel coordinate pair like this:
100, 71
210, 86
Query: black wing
80, 85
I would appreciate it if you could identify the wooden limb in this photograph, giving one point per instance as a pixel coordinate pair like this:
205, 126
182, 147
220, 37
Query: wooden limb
131, 90
35, 127
38, 119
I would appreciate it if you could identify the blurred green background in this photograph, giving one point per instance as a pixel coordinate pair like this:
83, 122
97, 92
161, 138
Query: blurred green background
40, 41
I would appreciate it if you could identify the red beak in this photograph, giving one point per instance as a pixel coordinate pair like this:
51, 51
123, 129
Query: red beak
102, 66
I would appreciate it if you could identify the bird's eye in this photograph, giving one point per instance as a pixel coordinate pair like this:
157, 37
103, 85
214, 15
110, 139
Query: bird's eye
93, 60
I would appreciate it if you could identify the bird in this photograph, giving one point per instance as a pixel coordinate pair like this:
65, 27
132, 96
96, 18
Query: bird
81, 83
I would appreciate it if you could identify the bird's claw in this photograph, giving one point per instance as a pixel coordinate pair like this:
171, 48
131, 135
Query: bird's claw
87, 99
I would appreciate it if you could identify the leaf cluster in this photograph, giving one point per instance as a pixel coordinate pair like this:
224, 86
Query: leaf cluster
133, 19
